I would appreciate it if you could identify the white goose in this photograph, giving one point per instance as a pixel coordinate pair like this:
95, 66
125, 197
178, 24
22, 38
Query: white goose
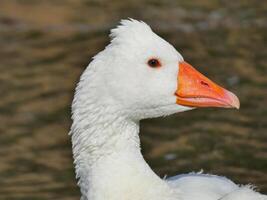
139, 75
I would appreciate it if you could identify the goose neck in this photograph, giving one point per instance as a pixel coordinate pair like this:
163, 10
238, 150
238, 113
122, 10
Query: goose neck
109, 163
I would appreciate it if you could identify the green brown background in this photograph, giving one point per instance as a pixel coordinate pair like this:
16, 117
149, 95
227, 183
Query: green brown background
44, 47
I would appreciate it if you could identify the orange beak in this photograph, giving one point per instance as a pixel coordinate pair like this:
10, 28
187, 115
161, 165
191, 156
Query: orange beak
196, 90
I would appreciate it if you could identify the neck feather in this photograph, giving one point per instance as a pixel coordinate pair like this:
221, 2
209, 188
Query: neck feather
108, 160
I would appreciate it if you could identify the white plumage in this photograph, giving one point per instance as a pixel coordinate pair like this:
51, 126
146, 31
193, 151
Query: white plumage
115, 92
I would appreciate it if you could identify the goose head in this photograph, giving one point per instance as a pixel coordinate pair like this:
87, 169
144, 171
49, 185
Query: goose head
144, 76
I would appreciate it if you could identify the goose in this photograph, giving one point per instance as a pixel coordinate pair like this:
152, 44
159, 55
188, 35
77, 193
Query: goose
139, 75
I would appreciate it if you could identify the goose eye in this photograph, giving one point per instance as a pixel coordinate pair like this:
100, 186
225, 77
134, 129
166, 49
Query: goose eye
153, 62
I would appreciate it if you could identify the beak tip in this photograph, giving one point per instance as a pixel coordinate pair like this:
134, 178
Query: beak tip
237, 107
235, 103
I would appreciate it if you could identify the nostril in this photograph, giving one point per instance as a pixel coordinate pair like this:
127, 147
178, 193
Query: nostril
204, 83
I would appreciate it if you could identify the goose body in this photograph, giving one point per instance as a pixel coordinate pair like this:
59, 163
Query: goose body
139, 75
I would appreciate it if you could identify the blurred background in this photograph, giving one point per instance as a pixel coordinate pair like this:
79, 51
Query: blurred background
45, 46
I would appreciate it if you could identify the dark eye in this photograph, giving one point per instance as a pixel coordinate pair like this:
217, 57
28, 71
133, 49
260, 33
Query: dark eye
153, 62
